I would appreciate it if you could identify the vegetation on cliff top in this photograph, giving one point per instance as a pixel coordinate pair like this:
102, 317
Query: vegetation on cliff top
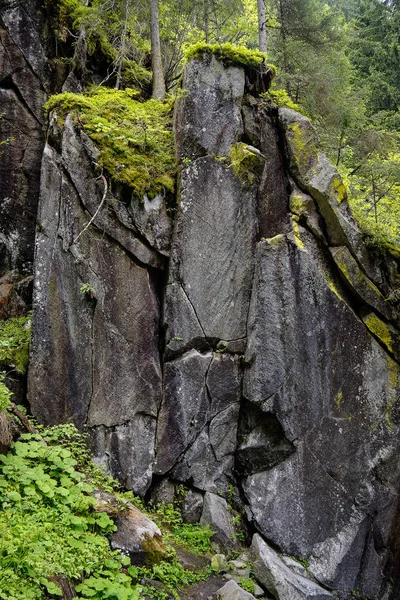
230, 55
135, 138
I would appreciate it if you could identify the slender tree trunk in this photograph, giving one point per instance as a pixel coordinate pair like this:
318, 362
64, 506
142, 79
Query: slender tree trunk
262, 29
374, 200
286, 67
206, 25
122, 48
156, 62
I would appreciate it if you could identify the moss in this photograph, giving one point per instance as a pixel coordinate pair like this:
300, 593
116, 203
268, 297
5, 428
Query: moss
154, 549
296, 234
343, 268
303, 146
393, 384
277, 98
338, 189
230, 55
332, 285
300, 204
245, 162
134, 138
276, 240
380, 330
339, 399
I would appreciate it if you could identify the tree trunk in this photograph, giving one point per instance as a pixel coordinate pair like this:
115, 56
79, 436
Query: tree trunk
206, 25
262, 30
156, 63
122, 48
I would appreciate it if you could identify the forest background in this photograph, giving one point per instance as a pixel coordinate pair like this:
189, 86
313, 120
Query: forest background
338, 62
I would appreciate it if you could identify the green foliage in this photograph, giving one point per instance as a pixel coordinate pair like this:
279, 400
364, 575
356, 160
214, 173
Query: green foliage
371, 170
245, 162
172, 575
14, 343
112, 34
5, 394
67, 436
194, 537
48, 525
134, 138
88, 291
279, 98
374, 51
247, 585
229, 54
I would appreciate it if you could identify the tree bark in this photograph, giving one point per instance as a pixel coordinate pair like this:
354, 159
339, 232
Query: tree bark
156, 62
122, 47
262, 29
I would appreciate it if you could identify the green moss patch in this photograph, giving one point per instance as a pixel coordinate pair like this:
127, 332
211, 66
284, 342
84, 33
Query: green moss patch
245, 161
380, 330
135, 138
230, 55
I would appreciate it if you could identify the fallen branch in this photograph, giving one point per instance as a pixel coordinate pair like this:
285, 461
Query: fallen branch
24, 420
97, 211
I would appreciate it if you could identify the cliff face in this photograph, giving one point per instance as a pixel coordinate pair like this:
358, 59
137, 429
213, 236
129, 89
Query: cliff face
25, 79
243, 347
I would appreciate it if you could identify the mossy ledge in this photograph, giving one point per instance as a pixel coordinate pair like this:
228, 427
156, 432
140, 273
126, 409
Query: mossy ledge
231, 55
134, 138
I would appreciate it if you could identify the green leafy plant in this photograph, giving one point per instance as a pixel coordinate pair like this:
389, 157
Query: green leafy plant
48, 523
15, 337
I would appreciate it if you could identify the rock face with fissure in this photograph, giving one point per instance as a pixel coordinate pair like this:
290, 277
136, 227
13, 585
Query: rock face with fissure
251, 353
96, 316
24, 81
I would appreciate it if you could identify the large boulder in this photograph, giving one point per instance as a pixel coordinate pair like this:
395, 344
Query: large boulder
284, 583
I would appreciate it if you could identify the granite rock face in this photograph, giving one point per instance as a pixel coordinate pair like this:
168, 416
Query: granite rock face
24, 84
247, 350
97, 316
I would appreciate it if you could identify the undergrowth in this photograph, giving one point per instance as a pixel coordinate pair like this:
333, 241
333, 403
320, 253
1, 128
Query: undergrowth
15, 336
134, 138
49, 527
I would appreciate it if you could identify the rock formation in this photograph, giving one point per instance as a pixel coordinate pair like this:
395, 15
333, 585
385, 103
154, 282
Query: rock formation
247, 349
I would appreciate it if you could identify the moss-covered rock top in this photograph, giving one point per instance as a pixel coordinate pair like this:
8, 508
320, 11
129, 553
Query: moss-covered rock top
230, 55
135, 138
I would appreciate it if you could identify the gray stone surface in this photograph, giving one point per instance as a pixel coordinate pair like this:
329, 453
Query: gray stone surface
98, 357
311, 438
282, 582
314, 174
197, 424
192, 507
360, 285
216, 515
316, 503
232, 591
25, 82
208, 118
212, 253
